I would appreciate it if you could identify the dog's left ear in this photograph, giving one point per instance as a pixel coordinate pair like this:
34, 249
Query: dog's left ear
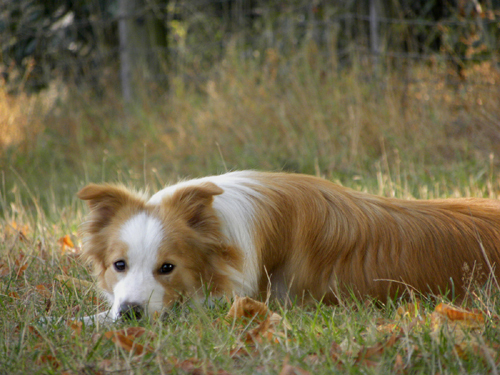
193, 201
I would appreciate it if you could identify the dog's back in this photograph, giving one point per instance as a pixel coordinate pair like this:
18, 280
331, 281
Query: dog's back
315, 237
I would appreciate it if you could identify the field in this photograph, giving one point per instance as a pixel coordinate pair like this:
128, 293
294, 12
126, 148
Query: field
424, 137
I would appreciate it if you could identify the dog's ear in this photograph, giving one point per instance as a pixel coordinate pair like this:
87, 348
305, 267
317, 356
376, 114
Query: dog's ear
193, 203
104, 202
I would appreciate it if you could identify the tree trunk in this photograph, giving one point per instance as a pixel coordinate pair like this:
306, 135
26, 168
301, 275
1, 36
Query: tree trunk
143, 46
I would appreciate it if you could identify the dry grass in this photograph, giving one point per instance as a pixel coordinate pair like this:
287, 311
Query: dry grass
301, 114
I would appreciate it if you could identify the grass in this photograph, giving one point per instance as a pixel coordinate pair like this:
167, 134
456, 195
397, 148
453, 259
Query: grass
194, 340
411, 134
300, 114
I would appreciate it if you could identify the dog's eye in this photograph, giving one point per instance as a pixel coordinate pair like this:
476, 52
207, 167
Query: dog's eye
120, 265
166, 268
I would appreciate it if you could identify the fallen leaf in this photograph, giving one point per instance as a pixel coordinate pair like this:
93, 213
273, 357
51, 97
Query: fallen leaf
190, 366
408, 311
293, 370
43, 291
464, 327
376, 350
50, 359
246, 307
195, 366
263, 332
136, 332
127, 343
4, 270
13, 295
14, 229
34, 332
399, 365
474, 319
66, 244
21, 269
335, 352
312, 359
48, 305
76, 326
249, 311
241, 351
388, 327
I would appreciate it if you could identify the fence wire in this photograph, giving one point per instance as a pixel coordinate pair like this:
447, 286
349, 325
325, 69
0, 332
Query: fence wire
197, 38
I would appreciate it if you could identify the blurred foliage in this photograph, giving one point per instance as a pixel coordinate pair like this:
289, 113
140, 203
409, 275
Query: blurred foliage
77, 40
42, 39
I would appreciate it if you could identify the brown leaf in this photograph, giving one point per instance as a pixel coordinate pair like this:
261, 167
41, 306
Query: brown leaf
408, 311
4, 270
245, 307
463, 326
137, 332
335, 352
34, 332
50, 359
194, 366
312, 359
48, 305
191, 366
262, 330
20, 230
75, 325
13, 295
241, 351
43, 291
293, 370
388, 327
66, 244
251, 311
21, 269
377, 349
127, 343
399, 365
473, 318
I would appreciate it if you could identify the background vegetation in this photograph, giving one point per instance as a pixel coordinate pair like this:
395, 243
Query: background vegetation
408, 109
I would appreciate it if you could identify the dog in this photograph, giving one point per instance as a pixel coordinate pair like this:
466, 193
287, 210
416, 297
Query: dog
295, 236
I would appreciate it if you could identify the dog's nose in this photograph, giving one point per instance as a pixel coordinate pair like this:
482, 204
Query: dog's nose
130, 310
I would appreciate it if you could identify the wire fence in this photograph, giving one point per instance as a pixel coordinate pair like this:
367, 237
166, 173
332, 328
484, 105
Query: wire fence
196, 35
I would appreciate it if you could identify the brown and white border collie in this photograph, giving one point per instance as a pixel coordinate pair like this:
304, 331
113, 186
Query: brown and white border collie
297, 236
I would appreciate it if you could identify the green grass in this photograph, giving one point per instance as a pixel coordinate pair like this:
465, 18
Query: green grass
322, 339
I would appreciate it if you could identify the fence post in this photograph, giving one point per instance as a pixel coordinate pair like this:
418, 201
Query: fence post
126, 8
374, 36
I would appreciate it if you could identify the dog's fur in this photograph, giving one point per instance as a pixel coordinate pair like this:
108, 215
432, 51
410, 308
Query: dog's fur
298, 236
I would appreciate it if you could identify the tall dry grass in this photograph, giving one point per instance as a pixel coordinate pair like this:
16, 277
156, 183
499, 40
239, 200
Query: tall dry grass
301, 113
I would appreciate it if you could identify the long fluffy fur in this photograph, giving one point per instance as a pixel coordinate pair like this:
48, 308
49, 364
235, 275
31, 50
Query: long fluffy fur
305, 237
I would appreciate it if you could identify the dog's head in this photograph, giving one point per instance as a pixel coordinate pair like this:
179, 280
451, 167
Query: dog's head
147, 257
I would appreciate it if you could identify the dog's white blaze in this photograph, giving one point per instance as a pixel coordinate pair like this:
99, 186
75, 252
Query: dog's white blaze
235, 209
143, 235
